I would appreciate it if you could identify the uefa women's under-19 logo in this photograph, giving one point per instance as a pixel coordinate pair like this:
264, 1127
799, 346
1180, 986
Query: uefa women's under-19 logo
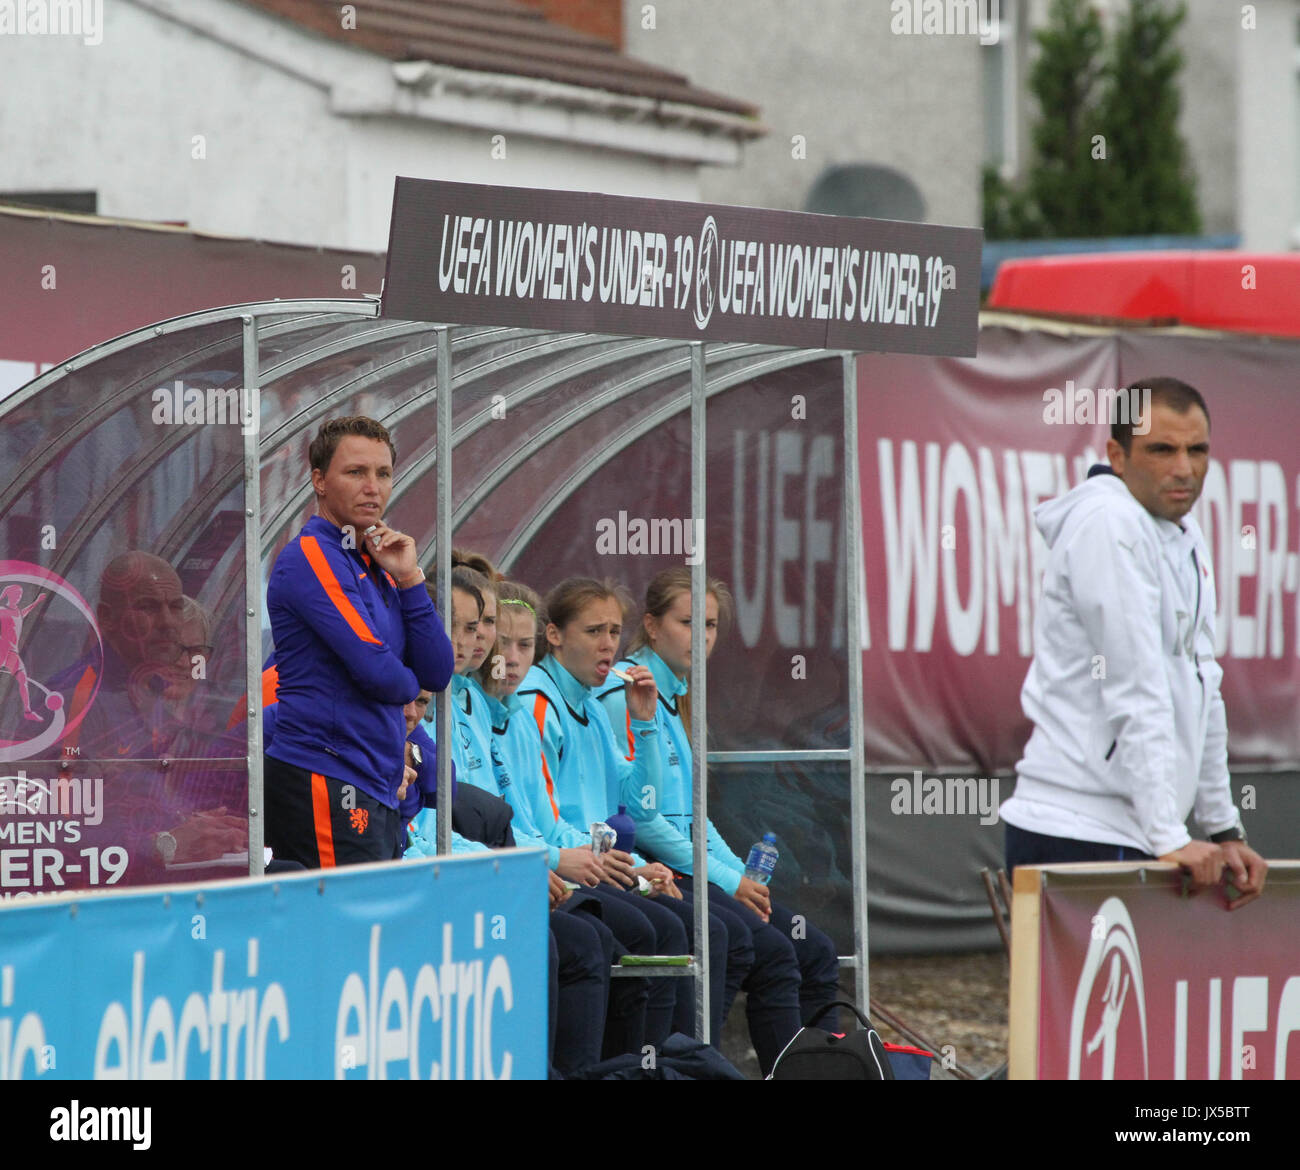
38, 612
707, 271
1110, 981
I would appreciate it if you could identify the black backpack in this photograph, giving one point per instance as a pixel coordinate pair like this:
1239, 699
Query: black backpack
815, 1055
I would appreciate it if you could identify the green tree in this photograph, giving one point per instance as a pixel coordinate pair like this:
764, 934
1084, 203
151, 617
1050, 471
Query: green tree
1062, 184
1009, 213
1107, 157
1147, 184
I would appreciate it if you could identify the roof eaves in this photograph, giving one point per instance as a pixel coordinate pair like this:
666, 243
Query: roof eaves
489, 36
439, 78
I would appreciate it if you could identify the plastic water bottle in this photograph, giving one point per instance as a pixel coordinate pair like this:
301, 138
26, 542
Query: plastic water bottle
625, 827
762, 860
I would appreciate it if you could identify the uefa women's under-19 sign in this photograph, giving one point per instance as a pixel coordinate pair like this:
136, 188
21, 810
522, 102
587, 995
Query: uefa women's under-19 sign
574, 261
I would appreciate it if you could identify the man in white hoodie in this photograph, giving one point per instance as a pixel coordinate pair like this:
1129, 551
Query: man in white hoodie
1130, 734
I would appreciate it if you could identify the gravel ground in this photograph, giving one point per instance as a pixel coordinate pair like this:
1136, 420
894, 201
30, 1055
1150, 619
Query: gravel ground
957, 1000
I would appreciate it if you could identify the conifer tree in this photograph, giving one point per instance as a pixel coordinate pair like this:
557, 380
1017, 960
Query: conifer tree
1107, 156
1147, 184
1062, 184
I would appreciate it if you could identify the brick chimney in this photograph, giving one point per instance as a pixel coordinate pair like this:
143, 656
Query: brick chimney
599, 18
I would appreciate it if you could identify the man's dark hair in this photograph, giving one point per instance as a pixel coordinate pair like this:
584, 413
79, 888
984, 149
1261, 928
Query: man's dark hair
332, 430
1170, 392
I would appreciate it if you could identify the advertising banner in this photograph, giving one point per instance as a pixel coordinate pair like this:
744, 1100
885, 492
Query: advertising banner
421, 970
70, 282
1116, 974
576, 261
955, 457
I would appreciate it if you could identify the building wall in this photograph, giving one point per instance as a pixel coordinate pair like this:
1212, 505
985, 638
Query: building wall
835, 74
1210, 108
253, 128
122, 118
1268, 129
379, 152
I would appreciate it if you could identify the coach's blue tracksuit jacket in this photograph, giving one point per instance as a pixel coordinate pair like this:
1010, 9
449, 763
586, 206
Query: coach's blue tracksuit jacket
351, 650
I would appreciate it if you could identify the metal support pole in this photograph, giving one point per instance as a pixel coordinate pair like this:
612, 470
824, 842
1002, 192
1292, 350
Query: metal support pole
699, 763
442, 574
253, 594
853, 649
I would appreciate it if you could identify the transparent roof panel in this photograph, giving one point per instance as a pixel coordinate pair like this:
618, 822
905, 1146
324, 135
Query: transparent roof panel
122, 549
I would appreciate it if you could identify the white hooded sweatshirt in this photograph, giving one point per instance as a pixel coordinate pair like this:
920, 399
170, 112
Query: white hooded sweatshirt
1129, 728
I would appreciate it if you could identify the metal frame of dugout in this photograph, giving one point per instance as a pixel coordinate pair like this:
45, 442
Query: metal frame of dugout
261, 322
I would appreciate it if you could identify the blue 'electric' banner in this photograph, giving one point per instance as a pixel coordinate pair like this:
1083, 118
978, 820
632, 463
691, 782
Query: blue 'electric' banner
427, 969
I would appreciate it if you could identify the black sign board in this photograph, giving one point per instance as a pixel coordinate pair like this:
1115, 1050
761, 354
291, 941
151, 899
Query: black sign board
578, 262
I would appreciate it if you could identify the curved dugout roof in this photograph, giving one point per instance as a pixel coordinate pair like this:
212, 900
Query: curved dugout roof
535, 416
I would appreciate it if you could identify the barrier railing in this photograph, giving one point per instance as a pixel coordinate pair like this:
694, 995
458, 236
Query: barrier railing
428, 969
1119, 972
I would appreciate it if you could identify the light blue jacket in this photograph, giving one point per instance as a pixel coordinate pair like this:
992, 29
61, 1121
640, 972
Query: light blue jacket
519, 753
584, 775
665, 834
532, 779
474, 762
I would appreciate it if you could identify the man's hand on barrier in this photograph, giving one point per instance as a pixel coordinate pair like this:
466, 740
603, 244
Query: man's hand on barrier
619, 870
756, 897
1244, 869
1202, 860
581, 865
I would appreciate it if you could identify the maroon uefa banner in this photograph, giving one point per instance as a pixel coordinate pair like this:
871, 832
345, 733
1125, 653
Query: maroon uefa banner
72, 282
1116, 974
955, 456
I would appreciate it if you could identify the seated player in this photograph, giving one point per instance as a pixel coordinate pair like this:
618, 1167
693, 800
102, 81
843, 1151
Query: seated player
481, 820
662, 644
584, 777
584, 947
581, 949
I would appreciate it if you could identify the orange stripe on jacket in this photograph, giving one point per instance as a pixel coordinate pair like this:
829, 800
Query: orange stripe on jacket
366, 557
325, 575
270, 685
539, 714
631, 743
270, 694
320, 811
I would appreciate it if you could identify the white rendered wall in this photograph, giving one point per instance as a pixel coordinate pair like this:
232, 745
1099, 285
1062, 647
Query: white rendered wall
248, 127
833, 72
1268, 170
